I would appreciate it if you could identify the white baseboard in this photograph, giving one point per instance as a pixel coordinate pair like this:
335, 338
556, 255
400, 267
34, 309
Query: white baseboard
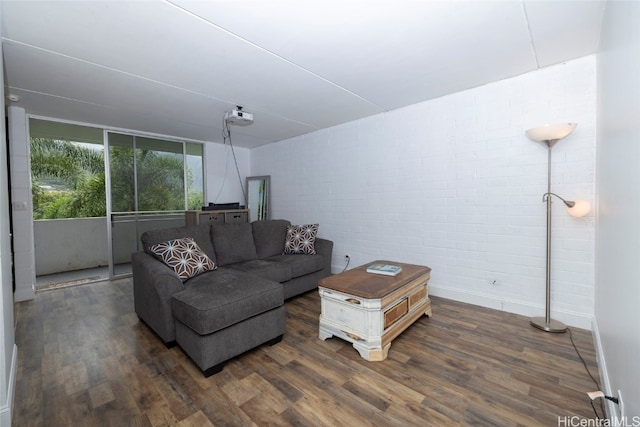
5, 411
577, 320
611, 408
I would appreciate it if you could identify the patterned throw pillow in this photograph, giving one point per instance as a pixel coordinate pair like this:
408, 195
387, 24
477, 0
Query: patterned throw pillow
301, 239
184, 256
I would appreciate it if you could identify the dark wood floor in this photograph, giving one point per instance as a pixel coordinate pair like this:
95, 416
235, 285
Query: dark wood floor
84, 359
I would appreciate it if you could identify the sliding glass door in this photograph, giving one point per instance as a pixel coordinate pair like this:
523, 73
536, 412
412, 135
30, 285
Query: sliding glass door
151, 183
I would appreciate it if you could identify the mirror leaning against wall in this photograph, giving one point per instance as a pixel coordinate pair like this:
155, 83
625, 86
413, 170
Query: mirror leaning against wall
258, 193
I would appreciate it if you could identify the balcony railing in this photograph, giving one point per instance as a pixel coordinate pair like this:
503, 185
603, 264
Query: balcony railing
63, 245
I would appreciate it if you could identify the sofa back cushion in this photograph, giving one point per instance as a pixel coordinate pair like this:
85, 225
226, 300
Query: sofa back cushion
200, 233
269, 236
233, 242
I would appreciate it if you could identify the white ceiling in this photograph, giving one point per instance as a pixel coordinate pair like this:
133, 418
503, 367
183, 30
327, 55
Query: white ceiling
174, 67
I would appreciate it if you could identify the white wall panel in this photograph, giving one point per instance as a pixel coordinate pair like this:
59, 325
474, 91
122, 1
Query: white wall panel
453, 183
617, 291
23, 252
8, 349
223, 184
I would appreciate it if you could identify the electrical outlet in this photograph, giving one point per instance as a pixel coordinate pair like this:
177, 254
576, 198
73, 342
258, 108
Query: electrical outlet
494, 282
347, 258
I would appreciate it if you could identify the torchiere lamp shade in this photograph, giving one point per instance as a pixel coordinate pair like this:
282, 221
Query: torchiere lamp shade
550, 132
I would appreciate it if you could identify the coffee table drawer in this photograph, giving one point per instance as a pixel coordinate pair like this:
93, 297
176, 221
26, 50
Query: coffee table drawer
396, 312
418, 296
348, 315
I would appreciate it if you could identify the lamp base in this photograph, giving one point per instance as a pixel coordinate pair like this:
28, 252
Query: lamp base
552, 326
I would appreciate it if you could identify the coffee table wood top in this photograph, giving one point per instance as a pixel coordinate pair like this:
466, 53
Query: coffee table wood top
359, 283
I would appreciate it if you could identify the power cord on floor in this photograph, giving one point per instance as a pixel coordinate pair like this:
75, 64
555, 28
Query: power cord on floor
584, 363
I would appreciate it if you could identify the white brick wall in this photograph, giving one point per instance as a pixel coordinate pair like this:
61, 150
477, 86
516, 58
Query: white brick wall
454, 184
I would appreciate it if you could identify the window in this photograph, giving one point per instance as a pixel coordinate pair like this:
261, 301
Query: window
195, 176
154, 175
67, 170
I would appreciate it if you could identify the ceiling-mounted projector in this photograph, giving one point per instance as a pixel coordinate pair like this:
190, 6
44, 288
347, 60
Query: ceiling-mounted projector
238, 117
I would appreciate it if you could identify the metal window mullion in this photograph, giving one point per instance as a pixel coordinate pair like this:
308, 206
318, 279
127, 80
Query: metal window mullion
107, 181
184, 175
204, 174
135, 176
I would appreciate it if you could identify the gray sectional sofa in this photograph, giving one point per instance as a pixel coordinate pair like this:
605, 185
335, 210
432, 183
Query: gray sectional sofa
222, 313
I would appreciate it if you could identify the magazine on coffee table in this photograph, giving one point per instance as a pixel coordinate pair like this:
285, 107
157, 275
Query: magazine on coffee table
384, 269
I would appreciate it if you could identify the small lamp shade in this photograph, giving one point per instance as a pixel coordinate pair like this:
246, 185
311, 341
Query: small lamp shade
581, 208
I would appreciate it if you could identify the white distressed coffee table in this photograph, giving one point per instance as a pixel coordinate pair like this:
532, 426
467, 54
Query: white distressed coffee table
370, 310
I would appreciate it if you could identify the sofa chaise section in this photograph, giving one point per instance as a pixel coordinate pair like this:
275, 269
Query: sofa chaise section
222, 318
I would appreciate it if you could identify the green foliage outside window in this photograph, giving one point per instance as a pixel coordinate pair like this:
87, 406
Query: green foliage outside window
68, 180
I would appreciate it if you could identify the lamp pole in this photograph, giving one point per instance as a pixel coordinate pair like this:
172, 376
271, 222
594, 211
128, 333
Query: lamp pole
546, 323
547, 317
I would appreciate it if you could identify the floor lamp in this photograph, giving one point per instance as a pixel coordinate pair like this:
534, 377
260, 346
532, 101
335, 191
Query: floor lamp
550, 134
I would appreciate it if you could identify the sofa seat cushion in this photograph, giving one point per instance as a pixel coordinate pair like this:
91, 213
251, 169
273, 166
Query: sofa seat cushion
300, 264
221, 298
270, 270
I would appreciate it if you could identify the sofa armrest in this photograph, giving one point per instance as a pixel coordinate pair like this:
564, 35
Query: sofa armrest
153, 286
324, 247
